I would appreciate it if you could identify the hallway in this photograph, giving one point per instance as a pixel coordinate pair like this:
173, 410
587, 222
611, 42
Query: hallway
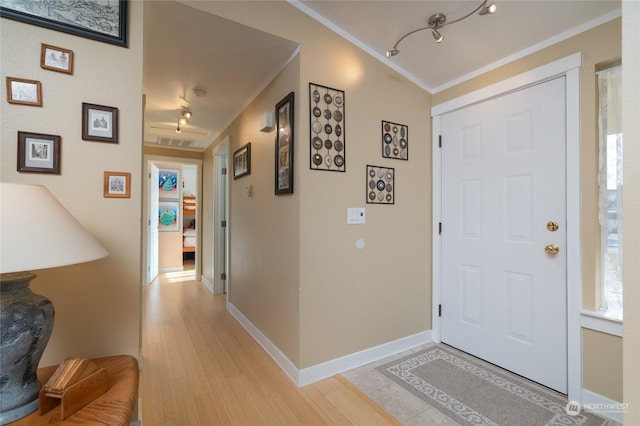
200, 367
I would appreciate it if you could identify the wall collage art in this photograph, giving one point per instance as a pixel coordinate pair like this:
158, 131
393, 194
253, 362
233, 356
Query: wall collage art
328, 143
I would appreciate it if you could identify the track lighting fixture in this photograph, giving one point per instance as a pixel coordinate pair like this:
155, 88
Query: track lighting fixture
439, 20
185, 115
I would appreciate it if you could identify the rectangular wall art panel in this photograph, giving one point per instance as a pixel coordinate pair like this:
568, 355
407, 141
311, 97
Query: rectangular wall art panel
395, 140
326, 106
380, 185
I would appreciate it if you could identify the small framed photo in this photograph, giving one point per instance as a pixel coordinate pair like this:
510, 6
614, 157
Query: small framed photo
284, 145
99, 123
55, 58
117, 185
38, 153
242, 161
24, 92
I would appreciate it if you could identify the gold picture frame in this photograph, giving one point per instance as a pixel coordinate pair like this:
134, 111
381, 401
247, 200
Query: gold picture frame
117, 185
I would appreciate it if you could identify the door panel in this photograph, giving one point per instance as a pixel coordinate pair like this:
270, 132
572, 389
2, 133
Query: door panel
503, 178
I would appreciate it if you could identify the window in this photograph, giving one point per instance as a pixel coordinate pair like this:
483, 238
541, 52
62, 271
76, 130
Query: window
610, 182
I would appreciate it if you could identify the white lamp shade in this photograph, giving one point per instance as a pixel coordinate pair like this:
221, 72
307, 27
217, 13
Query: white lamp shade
38, 232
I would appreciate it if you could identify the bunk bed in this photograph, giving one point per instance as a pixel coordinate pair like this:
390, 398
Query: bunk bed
189, 224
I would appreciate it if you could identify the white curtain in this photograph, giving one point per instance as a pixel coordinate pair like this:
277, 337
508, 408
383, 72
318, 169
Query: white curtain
610, 181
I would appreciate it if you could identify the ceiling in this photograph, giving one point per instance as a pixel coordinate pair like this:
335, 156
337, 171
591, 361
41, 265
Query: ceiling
186, 48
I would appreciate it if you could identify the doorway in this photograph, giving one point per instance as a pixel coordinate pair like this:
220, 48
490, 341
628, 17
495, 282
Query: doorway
167, 248
504, 295
569, 68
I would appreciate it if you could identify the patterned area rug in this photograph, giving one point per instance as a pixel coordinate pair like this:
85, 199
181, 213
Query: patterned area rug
472, 392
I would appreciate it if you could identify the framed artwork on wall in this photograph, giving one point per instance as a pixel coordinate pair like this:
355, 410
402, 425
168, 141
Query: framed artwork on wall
169, 183
284, 145
380, 185
24, 92
242, 161
38, 153
104, 20
327, 115
117, 185
57, 59
99, 123
168, 216
395, 141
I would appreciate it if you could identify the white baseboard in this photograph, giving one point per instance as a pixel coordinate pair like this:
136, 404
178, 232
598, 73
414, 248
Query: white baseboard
603, 406
208, 284
171, 269
330, 368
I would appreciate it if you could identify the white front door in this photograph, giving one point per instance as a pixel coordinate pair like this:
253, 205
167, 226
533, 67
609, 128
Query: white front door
504, 298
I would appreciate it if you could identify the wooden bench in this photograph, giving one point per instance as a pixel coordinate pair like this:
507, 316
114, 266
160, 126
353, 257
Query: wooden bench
114, 408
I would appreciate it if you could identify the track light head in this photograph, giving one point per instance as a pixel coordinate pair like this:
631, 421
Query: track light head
437, 36
488, 10
392, 52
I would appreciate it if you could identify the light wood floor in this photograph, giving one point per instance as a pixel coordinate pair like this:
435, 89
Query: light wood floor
200, 367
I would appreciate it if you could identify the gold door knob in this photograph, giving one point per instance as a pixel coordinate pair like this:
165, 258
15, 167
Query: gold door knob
552, 249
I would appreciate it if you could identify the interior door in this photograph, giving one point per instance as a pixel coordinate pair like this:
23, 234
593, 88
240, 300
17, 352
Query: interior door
504, 290
152, 223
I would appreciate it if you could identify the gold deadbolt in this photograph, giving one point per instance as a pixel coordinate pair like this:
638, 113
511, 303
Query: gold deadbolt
552, 249
552, 226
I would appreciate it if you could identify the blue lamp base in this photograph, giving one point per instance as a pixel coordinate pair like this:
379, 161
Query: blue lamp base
26, 323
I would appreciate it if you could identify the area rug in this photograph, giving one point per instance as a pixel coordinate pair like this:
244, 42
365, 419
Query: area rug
472, 392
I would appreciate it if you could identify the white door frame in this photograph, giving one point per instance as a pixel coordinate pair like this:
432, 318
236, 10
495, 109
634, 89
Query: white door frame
570, 68
221, 212
148, 159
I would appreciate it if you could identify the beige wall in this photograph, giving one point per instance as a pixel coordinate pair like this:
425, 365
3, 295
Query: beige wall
263, 229
98, 303
321, 294
599, 45
631, 243
170, 250
602, 364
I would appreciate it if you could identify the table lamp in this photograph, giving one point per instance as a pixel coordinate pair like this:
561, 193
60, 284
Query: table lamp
36, 232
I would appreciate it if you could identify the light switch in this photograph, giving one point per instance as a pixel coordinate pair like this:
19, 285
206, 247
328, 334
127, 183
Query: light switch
356, 216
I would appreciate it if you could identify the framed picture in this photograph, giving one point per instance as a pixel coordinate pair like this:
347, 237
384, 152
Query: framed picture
284, 145
169, 183
168, 216
242, 161
117, 185
24, 92
99, 123
328, 129
56, 59
38, 153
380, 185
395, 140
104, 20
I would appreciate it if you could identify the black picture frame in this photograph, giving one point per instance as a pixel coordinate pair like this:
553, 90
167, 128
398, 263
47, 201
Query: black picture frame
99, 123
38, 153
242, 161
284, 145
106, 22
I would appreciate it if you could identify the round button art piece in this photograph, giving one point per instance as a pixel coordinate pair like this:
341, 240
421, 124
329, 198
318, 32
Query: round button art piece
380, 187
